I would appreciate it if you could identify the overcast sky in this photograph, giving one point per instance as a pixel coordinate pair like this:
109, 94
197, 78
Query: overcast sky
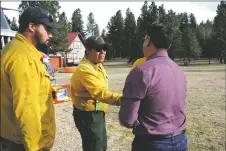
104, 10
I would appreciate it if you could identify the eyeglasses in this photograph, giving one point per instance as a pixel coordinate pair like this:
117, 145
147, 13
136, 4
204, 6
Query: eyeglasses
99, 49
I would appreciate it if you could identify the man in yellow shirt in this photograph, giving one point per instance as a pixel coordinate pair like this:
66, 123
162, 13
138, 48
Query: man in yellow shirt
91, 96
27, 111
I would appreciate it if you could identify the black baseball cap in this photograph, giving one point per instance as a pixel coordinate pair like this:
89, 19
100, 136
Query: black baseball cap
96, 42
38, 16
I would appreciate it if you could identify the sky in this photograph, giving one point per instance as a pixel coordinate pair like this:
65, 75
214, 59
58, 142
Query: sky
103, 11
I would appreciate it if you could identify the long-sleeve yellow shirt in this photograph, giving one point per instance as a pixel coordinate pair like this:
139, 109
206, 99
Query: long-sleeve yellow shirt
89, 83
27, 111
138, 62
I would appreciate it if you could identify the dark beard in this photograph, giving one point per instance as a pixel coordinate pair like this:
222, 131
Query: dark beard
41, 47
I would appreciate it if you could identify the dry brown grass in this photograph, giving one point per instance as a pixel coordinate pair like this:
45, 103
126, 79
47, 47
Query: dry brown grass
205, 109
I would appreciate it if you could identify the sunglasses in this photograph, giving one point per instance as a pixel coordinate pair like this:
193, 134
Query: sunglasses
99, 49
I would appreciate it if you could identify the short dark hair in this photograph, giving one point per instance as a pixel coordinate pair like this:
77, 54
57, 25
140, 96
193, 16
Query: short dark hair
23, 27
159, 35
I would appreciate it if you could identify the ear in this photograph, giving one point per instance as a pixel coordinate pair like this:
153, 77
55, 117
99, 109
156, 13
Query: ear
31, 27
148, 41
86, 52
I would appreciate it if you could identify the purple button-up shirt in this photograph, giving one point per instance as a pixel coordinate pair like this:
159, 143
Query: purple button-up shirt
154, 94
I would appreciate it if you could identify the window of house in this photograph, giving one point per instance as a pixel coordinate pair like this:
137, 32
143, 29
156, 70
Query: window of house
77, 45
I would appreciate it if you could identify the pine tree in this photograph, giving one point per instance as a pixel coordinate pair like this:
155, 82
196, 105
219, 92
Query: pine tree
91, 25
220, 31
172, 21
205, 37
116, 33
162, 16
142, 23
104, 35
14, 25
152, 13
192, 21
96, 30
191, 45
77, 22
130, 44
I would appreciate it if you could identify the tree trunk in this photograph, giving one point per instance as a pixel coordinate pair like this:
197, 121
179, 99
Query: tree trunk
221, 60
224, 57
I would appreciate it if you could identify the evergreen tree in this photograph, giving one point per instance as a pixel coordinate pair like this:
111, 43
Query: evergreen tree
96, 30
77, 22
191, 45
130, 44
205, 37
192, 21
142, 23
14, 25
91, 27
220, 31
162, 16
116, 33
172, 20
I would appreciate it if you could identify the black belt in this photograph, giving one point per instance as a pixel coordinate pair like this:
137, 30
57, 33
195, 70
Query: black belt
161, 136
174, 134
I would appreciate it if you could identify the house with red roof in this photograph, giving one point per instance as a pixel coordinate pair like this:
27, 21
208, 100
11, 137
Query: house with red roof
76, 44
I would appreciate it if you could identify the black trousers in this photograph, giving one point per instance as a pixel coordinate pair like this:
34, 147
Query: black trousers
92, 128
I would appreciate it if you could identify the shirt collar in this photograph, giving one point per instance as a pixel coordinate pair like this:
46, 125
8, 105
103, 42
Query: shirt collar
95, 66
33, 50
159, 53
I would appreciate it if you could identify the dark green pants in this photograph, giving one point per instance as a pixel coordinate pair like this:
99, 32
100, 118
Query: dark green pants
91, 126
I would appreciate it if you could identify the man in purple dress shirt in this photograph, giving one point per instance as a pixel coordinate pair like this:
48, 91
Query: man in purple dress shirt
154, 95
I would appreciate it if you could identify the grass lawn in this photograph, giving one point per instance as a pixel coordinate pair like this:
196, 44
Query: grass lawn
205, 110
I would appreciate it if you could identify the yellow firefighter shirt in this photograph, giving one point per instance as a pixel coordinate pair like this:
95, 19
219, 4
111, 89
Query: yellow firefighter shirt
27, 111
138, 62
89, 83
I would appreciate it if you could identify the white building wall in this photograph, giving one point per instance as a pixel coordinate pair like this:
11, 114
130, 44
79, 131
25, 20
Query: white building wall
78, 51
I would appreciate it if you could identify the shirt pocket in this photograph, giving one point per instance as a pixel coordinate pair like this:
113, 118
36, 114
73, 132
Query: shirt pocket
45, 84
